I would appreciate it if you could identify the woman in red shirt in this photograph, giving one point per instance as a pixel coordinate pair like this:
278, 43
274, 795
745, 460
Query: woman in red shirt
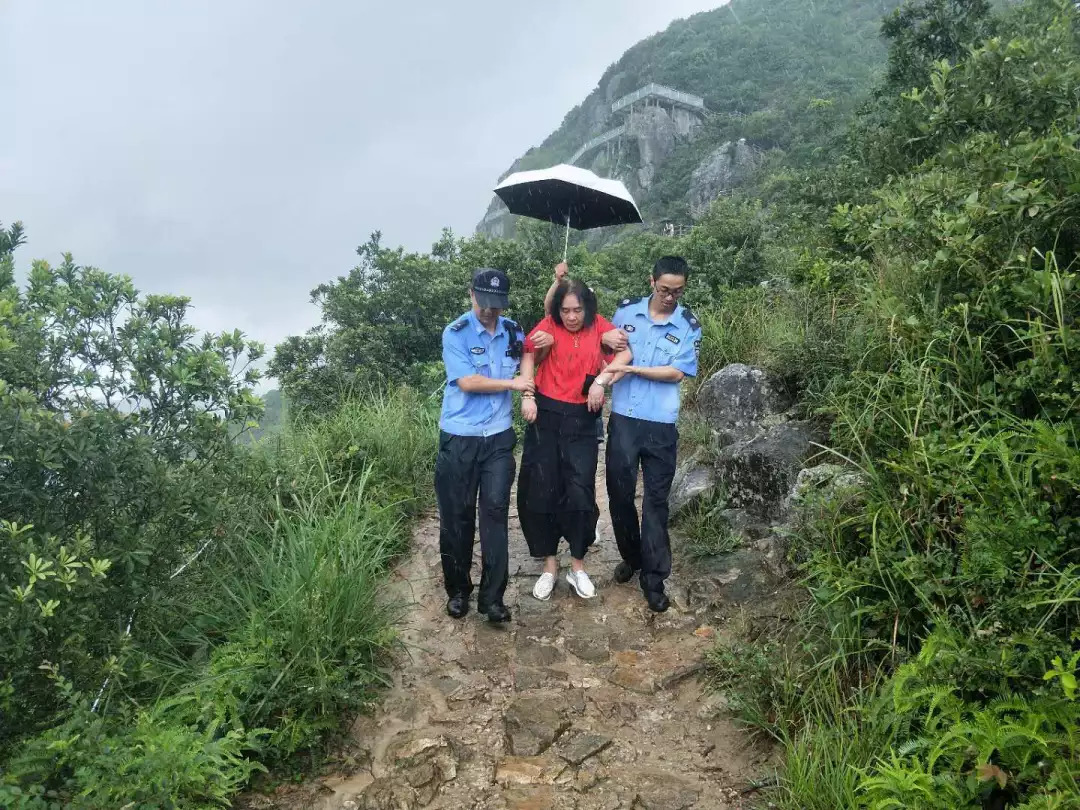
557, 485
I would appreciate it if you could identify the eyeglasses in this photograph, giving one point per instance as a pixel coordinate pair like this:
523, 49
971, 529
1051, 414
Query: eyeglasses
665, 292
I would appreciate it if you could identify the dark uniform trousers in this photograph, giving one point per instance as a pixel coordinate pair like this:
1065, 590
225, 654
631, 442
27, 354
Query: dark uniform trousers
466, 466
557, 485
650, 446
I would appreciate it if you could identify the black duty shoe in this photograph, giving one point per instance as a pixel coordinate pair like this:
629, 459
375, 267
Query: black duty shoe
624, 572
658, 601
457, 606
497, 612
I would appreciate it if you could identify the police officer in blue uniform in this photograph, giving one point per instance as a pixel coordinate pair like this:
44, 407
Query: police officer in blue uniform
482, 352
664, 340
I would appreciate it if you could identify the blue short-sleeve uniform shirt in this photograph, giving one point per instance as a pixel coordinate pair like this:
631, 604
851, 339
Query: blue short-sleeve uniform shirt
674, 342
468, 348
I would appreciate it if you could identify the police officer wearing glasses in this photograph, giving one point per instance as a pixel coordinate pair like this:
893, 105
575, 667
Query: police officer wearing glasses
664, 340
482, 352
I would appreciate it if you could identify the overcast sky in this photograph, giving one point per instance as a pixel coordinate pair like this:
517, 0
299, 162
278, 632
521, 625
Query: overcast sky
237, 151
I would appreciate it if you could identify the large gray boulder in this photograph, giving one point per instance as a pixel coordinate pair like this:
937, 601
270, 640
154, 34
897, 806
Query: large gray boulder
738, 398
695, 481
758, 473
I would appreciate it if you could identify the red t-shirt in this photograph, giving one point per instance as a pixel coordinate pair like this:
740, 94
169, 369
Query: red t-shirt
572, 356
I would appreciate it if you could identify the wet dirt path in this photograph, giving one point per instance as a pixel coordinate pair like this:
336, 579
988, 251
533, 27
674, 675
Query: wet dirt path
578, 704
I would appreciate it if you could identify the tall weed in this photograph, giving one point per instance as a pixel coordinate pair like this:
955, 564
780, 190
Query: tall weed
271, 639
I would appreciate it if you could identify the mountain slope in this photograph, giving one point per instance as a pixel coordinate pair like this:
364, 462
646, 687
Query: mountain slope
783, 74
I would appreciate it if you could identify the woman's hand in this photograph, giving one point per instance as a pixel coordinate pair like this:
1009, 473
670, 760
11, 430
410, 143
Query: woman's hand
542, 340
528, 409
596, 397
561, 269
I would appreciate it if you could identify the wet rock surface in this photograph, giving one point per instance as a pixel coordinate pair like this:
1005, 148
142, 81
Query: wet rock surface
737, 399
758, 473
695, 481
579, 704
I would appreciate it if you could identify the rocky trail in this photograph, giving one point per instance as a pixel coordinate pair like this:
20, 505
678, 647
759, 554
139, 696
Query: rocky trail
579, 704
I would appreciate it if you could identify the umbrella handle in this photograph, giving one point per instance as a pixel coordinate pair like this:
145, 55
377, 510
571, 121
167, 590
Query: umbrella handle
566, 241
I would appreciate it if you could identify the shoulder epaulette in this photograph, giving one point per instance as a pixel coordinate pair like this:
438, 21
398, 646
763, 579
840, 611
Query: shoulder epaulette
459, 325
626, 302
512, 325
691, 319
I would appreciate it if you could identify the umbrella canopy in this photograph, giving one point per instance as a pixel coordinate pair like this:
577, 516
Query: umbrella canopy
568, 195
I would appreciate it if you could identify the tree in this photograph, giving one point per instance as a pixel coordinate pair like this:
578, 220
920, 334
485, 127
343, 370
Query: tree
922, 33
117, 429
383, 322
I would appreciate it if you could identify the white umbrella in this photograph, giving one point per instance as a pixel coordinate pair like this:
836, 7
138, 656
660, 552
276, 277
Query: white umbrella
568, 195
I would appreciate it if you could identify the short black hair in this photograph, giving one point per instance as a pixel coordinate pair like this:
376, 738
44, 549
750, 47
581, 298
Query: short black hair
586, 296
670, 266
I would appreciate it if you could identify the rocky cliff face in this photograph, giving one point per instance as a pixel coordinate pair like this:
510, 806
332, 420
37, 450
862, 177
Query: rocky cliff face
726, 167
669, 117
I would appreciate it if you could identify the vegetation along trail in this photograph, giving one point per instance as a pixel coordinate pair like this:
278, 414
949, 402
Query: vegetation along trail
876, 510
576, 704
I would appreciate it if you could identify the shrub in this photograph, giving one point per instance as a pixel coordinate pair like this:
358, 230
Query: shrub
115, 424
946, 602
138, 759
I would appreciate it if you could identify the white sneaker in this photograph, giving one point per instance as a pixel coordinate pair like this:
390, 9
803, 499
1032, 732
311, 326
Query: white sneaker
581, 584
544, 586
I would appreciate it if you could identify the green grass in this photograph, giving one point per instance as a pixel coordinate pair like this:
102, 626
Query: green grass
394, 434
300, 599
307, 621
707, 533
262, 652
695, 435
801, 337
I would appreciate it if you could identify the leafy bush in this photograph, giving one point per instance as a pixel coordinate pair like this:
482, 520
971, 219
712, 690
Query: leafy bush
115, 424
1013, 747
267, 645
383, 322
147, 760
124, 464
946, 603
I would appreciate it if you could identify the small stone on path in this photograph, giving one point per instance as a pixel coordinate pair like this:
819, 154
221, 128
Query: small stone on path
533, 723
577, 748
